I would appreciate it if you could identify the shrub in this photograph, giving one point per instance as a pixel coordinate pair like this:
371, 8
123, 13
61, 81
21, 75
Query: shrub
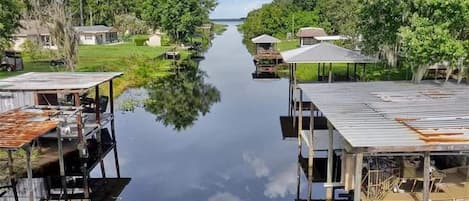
140, 41
165, 41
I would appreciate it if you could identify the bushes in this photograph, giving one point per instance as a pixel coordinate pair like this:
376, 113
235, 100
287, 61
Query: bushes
35, 51
140, 40
165, 40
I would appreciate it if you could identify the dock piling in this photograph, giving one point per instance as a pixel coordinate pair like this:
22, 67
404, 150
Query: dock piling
358, 177
330, 162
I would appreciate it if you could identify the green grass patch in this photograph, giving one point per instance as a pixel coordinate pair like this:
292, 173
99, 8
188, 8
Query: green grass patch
288, 45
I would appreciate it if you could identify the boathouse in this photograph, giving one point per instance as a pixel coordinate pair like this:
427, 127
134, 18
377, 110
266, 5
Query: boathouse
400, 141
266, 57
69, 128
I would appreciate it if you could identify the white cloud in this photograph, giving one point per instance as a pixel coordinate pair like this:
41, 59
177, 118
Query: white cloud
282, 184
257, 164
224, 197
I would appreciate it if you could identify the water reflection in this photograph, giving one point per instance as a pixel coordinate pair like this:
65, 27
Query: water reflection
179, 99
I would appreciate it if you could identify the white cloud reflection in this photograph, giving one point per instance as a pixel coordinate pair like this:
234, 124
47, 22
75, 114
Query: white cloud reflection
257, 164
282, 184
224, 197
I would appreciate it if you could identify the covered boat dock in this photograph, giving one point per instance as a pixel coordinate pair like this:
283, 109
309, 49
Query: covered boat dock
61, 110
397, 138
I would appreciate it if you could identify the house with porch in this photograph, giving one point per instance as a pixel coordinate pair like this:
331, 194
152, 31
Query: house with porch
96, 35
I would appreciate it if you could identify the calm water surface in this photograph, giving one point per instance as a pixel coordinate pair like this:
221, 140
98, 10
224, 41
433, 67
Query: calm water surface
233, 153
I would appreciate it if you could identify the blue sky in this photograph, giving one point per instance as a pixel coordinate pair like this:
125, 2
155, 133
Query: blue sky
236, 8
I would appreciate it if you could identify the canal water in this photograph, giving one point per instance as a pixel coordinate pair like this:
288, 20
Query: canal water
224, 143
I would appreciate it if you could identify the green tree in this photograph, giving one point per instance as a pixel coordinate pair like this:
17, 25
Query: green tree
426, 43
178, 18
382, 21
306, 4
10, 15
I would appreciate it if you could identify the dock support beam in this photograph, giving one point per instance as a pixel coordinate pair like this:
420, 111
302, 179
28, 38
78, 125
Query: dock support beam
330, 161
426, 176
29, 171
98, 133
300, 143
113, 129
358, 177
12, 174
82, 147
61, 157
310, 153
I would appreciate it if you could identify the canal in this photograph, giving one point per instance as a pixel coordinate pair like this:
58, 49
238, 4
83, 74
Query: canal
229, 149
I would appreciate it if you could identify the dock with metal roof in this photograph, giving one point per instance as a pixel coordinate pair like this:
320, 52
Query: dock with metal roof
393, 122
61, 110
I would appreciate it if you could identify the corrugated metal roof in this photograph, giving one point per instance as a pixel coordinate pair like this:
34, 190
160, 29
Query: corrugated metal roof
56, 81
396, 116
265, 39
19, 127
325, 53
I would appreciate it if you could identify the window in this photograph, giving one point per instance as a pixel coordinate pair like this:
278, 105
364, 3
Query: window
88, 37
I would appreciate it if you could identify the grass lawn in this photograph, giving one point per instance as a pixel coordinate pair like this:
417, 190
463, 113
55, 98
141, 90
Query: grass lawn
138, 63
92, 57
288, 45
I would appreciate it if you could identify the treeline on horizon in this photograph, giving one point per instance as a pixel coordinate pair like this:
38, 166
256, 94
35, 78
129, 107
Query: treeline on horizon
417, 34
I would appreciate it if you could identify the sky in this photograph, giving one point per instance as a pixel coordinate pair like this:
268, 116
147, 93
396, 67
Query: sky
236, 8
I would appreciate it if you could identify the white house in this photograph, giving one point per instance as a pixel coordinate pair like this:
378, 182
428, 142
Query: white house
308, 35
96, 35
33, 30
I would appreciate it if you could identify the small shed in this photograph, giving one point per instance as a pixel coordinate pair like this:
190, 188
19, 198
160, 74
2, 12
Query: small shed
265, 43
308, 35
96, 35
154, 40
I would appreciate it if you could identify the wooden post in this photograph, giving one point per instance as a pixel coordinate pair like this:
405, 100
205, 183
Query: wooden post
330, 162
348, 71
298, 178
358, 177
355, 72
82, 147
12, 174
426, 176
293, 94
290, 92
29, 171
319, 72
323, 69
98, 133
364, 72
330, 73
311, 155
61, 157
113, 130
